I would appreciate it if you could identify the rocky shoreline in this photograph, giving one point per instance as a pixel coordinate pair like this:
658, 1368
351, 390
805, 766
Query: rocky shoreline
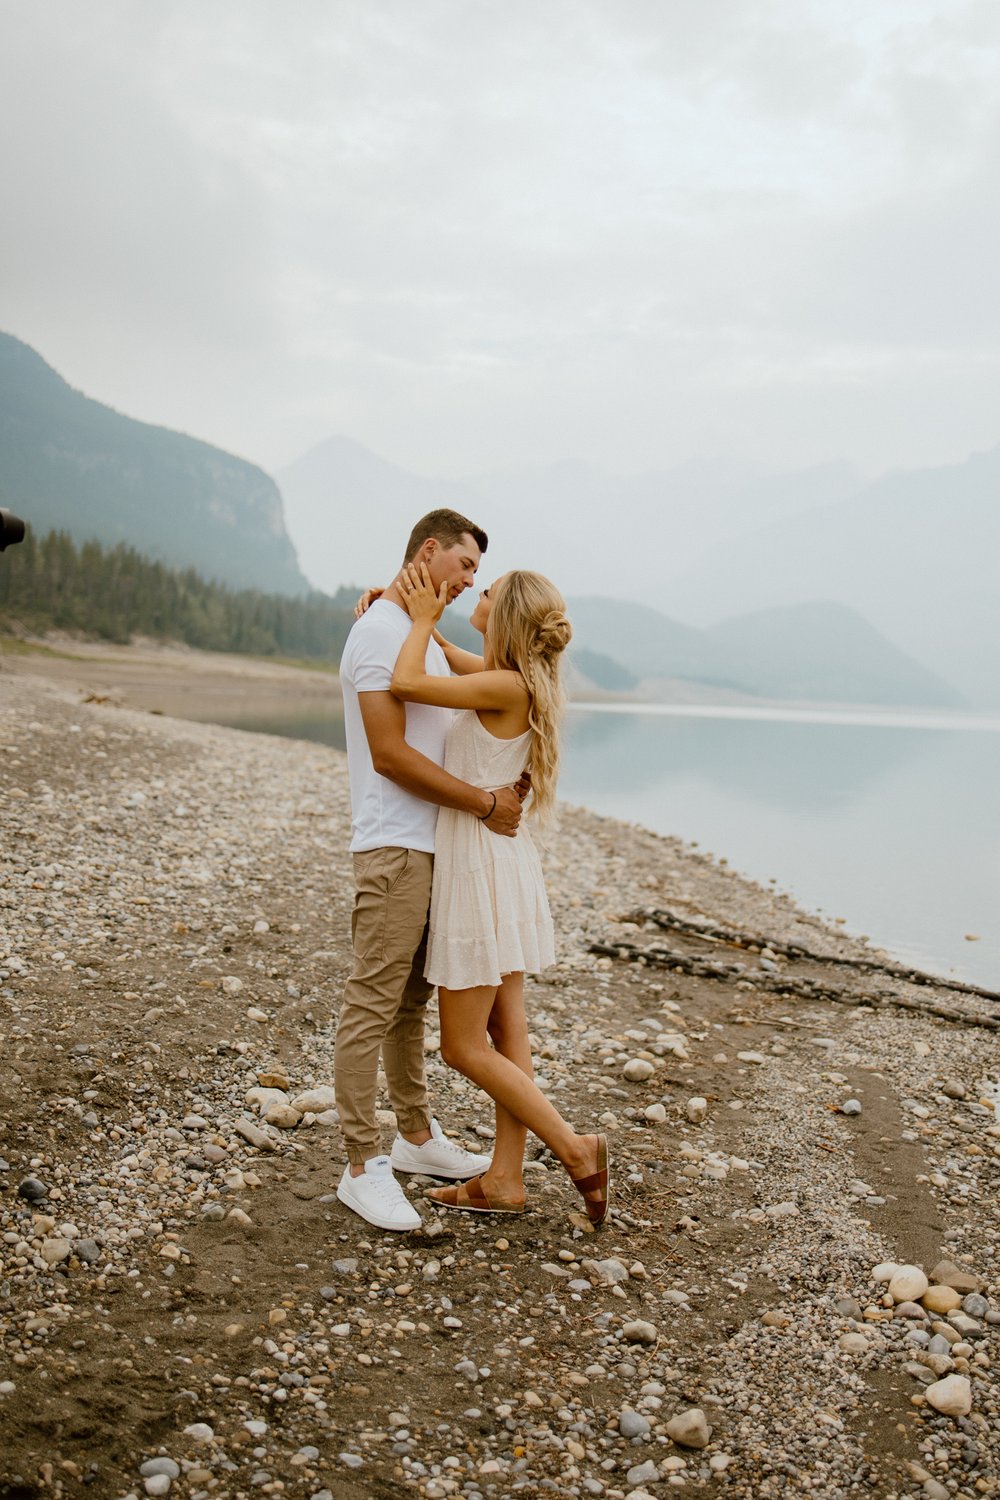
185, 1308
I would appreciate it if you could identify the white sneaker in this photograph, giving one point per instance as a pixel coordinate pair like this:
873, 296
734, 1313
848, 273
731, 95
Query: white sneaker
437, 1158
378, 1197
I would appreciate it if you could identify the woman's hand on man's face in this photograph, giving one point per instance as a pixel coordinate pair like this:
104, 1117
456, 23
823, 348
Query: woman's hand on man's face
422, 600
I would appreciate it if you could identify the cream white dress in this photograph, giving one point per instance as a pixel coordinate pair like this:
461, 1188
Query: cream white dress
489, 911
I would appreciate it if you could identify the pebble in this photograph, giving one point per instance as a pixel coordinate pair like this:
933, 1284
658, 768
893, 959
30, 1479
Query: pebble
696, 1109
851, 1107
637, 1070
690, 1428
632, 1424
910, 1310
655, 1114
161, 1465
199, 1432
32, 1189
609, 1272
644, 1473
640, 1332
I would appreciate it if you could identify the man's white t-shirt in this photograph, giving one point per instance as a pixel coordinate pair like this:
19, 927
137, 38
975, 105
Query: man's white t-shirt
383, 815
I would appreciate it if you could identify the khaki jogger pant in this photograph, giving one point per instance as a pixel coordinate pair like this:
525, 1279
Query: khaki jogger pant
385, 998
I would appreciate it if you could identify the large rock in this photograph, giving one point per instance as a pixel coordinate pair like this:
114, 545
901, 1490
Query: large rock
264, 1098
886, 1271
314, 1101
946, 1273
951, 1396
690, 1428
283, 1116
941, 1299
908, 1285
274, 1080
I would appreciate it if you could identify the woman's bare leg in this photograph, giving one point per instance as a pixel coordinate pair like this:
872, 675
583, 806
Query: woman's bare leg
508, 1030
465, 1047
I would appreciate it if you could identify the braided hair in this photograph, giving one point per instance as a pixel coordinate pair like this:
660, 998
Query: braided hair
527, 632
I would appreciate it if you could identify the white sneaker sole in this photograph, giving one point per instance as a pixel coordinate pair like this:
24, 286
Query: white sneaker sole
380, 1222
457, 1173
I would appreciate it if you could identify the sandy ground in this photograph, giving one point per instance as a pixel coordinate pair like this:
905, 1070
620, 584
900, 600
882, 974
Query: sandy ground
184, 1311
202, 685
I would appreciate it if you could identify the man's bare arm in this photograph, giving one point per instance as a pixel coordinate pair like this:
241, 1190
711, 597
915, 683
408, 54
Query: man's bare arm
384, 718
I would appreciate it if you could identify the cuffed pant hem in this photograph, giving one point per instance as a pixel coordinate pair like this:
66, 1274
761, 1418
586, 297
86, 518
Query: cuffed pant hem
413, 1121
358, 1155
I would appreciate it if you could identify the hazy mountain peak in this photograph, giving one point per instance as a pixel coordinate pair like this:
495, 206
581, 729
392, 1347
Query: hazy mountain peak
71, 463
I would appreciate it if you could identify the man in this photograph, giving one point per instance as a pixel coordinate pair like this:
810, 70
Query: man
395, 758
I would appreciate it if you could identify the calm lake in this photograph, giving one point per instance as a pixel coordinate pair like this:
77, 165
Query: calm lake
889, 821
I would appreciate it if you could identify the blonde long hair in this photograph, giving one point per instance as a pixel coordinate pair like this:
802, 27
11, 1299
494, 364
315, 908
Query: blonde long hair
527, 632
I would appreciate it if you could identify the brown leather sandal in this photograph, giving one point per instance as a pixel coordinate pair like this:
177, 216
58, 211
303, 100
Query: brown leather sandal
597, 1209
474, 1201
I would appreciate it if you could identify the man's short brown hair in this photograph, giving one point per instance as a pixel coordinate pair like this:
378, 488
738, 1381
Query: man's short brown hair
447, 527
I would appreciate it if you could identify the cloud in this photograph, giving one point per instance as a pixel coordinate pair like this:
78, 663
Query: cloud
451, 230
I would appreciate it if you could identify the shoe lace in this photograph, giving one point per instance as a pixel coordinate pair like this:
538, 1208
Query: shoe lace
387, 1187
451, 1146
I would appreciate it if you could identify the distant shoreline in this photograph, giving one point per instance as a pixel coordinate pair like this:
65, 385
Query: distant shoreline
806, 713
189, 683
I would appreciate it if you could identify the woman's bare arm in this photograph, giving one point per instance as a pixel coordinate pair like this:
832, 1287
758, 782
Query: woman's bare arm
500, 691
486, 690
460, 661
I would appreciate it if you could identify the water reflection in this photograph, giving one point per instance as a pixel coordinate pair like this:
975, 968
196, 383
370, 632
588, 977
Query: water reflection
781, 764
897, 830
319, 726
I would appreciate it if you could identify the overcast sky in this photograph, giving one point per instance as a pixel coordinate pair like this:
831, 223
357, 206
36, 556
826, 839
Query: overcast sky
470, 233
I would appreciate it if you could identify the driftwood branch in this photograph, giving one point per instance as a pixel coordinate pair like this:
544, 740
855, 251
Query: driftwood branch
668, 921
783, 984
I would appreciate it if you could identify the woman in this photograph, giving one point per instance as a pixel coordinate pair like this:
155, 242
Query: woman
490, 919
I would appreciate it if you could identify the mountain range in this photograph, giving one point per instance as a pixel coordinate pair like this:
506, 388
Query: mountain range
824, 652
918, 552
811, 585
915, 552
